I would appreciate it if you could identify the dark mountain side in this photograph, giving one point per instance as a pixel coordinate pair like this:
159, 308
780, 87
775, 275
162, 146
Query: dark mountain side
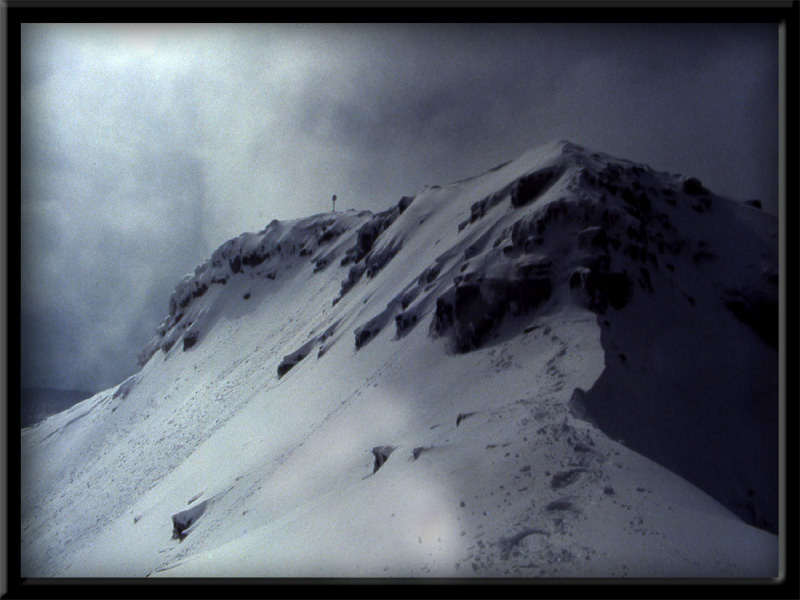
696, 380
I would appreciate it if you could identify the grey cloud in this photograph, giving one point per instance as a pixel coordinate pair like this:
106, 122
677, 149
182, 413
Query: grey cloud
141, 156
617, 87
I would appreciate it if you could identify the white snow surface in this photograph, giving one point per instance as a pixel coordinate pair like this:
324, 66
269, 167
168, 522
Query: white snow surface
495, 466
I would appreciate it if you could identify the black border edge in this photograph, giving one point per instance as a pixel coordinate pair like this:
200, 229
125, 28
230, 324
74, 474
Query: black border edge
788, 586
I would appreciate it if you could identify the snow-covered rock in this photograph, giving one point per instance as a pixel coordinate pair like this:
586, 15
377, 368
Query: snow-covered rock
566, 366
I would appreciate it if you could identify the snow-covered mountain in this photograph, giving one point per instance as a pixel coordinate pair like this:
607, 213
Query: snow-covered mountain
566, 366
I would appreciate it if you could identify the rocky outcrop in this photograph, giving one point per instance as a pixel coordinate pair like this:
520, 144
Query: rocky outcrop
475, 305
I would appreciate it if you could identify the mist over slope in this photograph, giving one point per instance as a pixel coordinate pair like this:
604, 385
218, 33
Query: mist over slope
37, 404
566, 366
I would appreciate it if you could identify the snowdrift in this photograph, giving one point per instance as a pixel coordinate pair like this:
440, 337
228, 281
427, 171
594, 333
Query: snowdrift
567, 366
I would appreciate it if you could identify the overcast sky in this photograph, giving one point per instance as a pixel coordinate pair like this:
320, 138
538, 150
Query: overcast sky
146, 147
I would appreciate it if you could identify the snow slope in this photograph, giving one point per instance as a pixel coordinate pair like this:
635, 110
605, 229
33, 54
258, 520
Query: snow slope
566, 366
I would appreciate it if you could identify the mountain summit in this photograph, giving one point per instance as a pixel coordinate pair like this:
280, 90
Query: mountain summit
566, 366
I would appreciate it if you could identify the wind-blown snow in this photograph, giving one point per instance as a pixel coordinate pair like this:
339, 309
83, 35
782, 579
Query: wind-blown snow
570, 361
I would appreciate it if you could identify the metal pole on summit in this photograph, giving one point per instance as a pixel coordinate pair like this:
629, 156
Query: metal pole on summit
334, 202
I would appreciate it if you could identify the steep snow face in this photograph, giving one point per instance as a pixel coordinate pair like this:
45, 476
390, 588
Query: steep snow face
486, 379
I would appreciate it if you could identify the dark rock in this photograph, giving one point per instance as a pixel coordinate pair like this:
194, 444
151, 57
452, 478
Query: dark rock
560, 505
593, 238
479, 209
443, 316
362, 337
328, 235
320, 265
429, 275
535, 269
253, 259
404, 322
564, 479
404, 203
236, 264
703, 255
602, 289
754, 204
757, 311
694, 187
184, 520
475, 306
190, 339
416, 452
534, 185
627, 195
472, 251
381, 454
376, 262
290, 361
462, 416
353, 277
525, 294
645, 281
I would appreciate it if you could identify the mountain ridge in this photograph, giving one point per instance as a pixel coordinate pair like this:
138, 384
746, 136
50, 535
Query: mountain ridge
552, 162
584, 299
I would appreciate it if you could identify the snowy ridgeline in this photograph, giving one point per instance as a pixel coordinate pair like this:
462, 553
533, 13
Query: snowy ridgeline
566, 366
